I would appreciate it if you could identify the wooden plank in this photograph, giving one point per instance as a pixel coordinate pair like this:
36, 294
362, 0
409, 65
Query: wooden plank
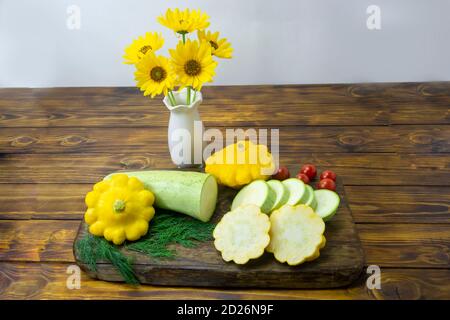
401, 139
43, 201
430, 100
380, 169
20, 280
419, 113
355, 169
37, 240
399, 204
355, 114
400, 245
363, 104
259, 94
22, 94
48, 281
28, 115
386, 245
369, 204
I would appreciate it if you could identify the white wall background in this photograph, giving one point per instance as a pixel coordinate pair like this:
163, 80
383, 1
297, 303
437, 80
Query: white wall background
275, 41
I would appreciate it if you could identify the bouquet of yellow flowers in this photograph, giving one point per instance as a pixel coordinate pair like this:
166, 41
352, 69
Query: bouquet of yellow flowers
191, 63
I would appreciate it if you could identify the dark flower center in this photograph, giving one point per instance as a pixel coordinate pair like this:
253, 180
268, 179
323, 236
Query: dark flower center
192, 68
213, 44
158, 74
144, 49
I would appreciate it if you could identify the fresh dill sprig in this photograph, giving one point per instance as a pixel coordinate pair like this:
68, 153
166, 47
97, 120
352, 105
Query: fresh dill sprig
165, 229
92, 249
170, 228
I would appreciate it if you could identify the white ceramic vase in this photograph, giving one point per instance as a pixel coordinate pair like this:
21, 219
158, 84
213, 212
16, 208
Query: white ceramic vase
185, 130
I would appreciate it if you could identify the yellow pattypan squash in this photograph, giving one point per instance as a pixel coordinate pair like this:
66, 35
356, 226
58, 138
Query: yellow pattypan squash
119, 209
239, 164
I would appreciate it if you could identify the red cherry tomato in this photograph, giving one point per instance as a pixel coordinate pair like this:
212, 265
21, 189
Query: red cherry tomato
281, 174
328, 174
326, 184
309, 170
303, 177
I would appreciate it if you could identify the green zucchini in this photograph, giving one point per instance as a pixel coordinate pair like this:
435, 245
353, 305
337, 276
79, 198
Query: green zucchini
281, 192
311, 199
327, 203
258, 193
297, 191
188, 192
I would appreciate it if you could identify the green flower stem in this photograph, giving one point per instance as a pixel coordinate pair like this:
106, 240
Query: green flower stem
188, 100
183, 35
171, 98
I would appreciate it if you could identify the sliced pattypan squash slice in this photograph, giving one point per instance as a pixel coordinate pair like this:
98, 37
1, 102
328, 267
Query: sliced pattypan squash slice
119, 209
317, 252
296, 234
242, 234
240, 163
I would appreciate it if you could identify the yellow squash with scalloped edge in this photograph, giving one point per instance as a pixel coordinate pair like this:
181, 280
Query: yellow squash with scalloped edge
119, 209
241, 163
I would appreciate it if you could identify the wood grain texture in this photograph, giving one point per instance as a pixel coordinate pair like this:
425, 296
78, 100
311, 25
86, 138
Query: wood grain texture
399, 245
402, 139
255, 94
369, 204
43, 201
230, 115
387, 245
399, 204
419, 113
340, 104
355, 169
290, 114
22, 280
398, 195
37, 240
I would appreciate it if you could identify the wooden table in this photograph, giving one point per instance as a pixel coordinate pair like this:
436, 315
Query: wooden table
390, 143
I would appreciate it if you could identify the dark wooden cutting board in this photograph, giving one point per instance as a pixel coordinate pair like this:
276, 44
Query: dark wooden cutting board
340, 263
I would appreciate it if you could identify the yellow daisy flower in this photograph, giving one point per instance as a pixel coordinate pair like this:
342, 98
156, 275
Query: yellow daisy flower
185, 21
193, 63
152, 41
153, 75
219, 47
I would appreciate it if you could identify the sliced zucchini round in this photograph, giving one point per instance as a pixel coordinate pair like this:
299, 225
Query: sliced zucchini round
327, 203
281, 192
258, 193
297, 191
